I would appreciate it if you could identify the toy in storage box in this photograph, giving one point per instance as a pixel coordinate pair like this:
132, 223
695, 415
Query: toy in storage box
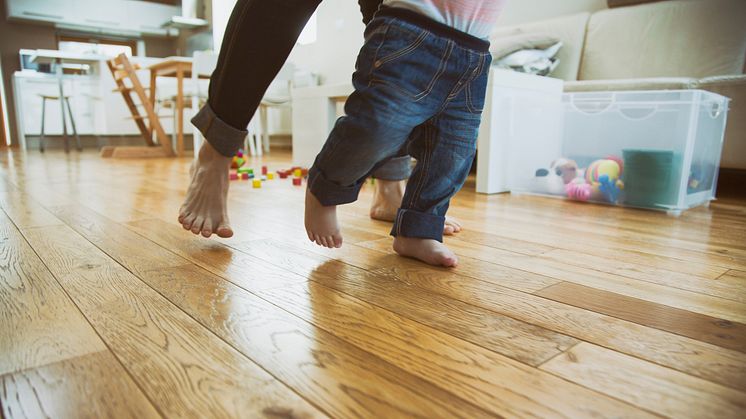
652, 149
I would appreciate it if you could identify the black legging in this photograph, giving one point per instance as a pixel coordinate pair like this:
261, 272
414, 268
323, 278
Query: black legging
258, 39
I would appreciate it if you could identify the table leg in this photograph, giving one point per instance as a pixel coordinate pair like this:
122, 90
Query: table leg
62, 102
153, 77
180, 112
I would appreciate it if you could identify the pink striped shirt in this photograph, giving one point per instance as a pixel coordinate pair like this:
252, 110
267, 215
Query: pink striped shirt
475, 17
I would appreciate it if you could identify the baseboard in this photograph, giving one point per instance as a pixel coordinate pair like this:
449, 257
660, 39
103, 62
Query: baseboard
731, 182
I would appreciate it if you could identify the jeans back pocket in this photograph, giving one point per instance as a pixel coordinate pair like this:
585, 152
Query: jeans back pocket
409, 60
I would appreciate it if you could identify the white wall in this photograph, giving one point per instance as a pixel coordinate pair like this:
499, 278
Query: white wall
340, 32
339, 38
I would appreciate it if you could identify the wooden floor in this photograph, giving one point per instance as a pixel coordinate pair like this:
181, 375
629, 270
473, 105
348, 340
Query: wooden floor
108, 308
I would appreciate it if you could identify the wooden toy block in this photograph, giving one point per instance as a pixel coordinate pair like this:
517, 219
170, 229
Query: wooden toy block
297, 181
245, 170
245, 176
297, 173
283, 174
264, 170
233, 176
304, 172
257, 183
270, 176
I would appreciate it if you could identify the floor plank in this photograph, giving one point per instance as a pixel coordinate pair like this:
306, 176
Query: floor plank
179, 363
662, 390
341, 379
514, 389
697, 358
32, 301
721, 289
696, 326
89, 386
502, 334
118, 242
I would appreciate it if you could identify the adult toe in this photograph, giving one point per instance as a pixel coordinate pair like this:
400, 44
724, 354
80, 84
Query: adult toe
197, 225
224, 230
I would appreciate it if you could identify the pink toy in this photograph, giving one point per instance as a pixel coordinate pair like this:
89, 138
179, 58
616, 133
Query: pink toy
578, 191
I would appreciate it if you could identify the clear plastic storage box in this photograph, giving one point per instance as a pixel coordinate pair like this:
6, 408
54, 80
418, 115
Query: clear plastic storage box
652, 149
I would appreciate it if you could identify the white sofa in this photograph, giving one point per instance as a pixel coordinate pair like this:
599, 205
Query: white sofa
678, 44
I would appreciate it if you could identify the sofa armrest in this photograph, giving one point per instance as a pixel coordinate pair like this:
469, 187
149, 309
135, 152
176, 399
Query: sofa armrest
734, 87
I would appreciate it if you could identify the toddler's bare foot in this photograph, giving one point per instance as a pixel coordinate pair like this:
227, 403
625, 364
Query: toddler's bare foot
204, 210
321, 223
429, 251
387, 196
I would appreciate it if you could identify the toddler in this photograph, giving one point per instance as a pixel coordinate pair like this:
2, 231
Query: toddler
420, 83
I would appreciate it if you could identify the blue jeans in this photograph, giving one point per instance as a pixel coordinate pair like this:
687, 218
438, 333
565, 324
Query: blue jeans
419, 90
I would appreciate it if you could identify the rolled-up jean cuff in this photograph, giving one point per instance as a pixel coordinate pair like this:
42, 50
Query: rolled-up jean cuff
329, 193
398, 168
410, 223
221, 136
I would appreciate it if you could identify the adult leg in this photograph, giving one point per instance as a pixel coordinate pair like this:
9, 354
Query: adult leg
258, 39
444, 148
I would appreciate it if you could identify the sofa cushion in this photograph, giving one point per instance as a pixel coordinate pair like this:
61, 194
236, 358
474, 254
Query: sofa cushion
686, 38
653, 83
568, 29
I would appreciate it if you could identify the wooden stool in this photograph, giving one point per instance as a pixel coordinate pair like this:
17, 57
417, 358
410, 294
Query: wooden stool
44, 99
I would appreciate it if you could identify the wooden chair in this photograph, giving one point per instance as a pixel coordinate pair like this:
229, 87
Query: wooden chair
122, 71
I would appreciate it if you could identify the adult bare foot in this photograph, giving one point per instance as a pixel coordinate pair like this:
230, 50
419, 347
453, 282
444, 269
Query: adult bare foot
321, 223
429, 251
205, 210
387, 196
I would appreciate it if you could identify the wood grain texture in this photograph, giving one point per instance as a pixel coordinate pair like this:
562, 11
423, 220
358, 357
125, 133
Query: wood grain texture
696, 326
701, 359
89, 386
674, 297
240, 268
721, 289
659, 389
39, 324
182, 366
504, 386
118, 242
342, 379
499, 333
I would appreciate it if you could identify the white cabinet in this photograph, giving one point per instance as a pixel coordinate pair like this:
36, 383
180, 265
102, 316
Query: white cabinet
93, 13
40, 10
115, 16
148, 17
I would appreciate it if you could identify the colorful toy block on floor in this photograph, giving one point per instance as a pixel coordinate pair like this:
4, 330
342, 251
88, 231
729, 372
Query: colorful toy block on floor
270, 176
245, 170
238, 160
245, 176
297, 181
264, 170
257, 183
297, 173
263, 178
233, 176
